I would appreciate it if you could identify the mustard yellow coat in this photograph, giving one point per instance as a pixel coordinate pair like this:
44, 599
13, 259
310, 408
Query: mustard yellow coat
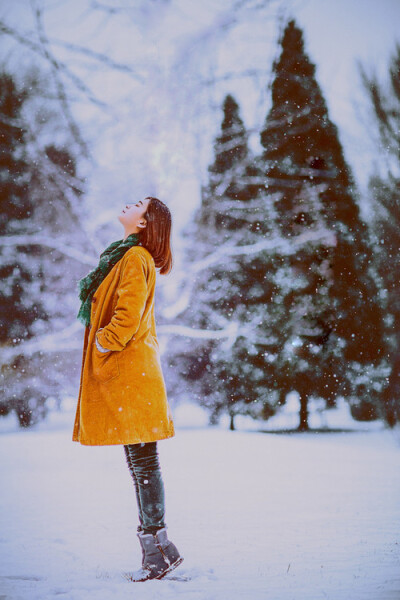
122, 396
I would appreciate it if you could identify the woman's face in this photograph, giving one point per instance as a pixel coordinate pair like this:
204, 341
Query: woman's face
132, 215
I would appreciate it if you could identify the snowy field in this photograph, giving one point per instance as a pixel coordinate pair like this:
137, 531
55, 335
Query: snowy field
255, 515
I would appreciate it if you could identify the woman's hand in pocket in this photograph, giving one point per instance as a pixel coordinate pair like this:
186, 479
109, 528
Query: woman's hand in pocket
105, 363
99, 346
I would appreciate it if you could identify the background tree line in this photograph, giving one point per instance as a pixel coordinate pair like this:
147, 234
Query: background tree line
301, 286
291, 290
40, 194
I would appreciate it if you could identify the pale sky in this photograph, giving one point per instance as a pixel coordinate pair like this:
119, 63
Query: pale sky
337, 33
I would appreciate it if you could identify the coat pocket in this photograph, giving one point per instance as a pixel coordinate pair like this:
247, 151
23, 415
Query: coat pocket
105, 365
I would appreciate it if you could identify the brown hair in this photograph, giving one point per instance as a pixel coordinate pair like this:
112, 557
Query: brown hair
155, 237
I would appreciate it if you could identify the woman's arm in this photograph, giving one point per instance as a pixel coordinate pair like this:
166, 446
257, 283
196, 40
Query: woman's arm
131, 302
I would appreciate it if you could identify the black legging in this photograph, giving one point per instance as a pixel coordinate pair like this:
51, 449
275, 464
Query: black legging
145, 469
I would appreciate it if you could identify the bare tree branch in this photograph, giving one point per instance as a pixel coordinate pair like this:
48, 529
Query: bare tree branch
62, 94
62, 66
100, 57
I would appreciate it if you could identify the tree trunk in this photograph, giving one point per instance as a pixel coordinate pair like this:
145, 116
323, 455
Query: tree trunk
232, 424
303, 423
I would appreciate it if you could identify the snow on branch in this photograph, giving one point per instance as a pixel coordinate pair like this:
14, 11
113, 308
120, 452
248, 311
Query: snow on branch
205, 334
228, 335
58, 341
212, 81
65, 340
273, 245
53, 244
237, 174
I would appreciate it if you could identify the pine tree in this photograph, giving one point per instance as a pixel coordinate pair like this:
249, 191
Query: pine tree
287, 263
331, 323
222, 205
385, 190
38, 184
230, 375
22, 280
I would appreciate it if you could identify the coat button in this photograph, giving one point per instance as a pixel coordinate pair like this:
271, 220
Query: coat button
94, 299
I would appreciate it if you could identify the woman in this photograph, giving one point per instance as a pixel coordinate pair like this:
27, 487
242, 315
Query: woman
122, 396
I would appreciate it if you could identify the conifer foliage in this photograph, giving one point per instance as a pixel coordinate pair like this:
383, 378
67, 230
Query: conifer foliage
286, 263
22, 280
332, 317
385, 190
37, 184
222, 210
231, 294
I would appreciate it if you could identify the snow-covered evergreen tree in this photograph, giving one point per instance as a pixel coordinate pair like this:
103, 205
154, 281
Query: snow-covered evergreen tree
332, 336
225, 197
231, 294
385, 190
285, 262
38, 273
22, 279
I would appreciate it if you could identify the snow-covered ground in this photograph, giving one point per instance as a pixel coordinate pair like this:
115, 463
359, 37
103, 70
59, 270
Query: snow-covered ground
256, 515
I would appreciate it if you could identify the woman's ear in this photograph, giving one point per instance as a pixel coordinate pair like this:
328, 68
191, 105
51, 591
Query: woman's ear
142, 223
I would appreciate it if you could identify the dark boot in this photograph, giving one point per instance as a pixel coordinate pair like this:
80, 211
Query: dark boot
168, 549
141, 545
160, 556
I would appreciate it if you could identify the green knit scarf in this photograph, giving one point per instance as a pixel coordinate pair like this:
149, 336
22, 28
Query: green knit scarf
89, 284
